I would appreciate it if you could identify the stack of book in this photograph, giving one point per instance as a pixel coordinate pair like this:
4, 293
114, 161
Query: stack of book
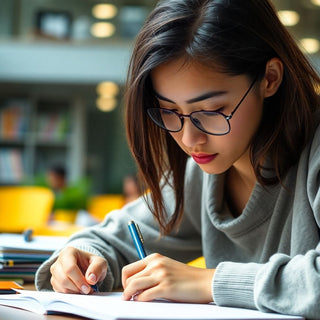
21, 259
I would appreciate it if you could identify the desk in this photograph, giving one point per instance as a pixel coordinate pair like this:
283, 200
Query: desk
8, 313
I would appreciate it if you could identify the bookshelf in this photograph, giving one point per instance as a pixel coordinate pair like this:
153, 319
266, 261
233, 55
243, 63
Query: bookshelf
14, 120
37, 132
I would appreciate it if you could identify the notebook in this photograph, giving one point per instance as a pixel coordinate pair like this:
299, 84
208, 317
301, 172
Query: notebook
8, 287
110, 306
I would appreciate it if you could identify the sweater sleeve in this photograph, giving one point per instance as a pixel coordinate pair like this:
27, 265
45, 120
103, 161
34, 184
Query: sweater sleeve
283, 284
111, 239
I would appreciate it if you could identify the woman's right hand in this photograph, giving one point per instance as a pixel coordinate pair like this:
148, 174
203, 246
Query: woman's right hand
75, 271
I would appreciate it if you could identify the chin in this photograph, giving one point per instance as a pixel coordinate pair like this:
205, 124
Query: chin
210, 169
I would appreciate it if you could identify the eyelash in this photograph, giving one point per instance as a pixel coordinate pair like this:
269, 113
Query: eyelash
220, 109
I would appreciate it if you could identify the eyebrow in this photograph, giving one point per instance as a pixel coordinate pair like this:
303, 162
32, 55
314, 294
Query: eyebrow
202, 97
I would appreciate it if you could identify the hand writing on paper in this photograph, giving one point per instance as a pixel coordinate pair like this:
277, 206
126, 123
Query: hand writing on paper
75, 271
159, 277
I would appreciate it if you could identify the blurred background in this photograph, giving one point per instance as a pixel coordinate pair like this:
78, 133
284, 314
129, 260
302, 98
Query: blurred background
63, 65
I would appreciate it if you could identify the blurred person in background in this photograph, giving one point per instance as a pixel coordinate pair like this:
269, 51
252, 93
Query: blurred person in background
131, 188
69, 197
57, 178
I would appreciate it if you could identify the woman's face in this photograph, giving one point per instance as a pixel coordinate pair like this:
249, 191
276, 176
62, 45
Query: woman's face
190, 87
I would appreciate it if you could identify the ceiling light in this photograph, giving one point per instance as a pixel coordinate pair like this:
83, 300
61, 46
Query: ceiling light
102, 29
104, 11
107, 89
106, 104
310, 45
316, 2
288, 17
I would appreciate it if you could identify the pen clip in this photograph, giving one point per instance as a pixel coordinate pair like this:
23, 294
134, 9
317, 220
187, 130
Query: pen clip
137, 238
139, 232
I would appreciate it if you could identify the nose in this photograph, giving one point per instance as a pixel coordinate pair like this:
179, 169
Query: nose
191, 135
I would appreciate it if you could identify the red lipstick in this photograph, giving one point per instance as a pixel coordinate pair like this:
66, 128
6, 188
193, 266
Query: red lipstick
202, 158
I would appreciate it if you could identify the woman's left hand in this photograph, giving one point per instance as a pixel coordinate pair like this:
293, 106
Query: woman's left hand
159, 277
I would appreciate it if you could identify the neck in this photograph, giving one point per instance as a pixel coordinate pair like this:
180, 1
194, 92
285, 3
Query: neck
243, 171
239, 184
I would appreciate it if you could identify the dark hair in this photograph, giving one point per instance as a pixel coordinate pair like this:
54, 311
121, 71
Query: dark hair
58, 170
240, 37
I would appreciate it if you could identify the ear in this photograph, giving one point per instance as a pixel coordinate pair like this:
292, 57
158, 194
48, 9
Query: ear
273, 77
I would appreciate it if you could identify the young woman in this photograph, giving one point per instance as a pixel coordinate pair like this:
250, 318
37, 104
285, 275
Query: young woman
222, 119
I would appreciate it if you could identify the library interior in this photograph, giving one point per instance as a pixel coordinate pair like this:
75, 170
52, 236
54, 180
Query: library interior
63, 67
64, 159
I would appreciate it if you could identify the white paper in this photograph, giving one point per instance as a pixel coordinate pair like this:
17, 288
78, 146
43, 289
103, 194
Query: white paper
14, 241
110, 306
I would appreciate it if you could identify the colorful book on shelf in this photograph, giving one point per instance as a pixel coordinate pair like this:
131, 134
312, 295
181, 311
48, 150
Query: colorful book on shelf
11, 165
13, 119
52, 126
110, 306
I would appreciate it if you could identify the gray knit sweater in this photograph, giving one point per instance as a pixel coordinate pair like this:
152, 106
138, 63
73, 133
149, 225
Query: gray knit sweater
267, 258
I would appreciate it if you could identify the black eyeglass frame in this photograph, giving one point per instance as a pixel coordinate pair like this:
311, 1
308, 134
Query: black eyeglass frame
182, 116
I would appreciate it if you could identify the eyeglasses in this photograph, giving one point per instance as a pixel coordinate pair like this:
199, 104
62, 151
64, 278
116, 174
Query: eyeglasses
211, 122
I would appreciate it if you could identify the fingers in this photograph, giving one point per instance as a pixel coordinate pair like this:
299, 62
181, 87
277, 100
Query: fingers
67, 276
68, 271
150, 294
141, 275
59, 282
159, 277
97, 270
131, 269
139, 286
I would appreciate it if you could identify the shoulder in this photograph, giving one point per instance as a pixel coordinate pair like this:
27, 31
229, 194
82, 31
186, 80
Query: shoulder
314, 149
310, 158
309, 173
309, 164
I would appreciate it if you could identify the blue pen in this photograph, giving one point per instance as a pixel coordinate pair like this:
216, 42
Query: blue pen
94, 287
137, 238
27, 235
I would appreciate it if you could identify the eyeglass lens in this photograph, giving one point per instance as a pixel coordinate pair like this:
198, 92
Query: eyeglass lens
208, 121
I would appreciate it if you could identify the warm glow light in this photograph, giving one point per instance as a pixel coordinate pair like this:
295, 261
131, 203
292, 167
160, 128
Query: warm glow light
316, 2
310, 45
106, 104
103, 29
104, 11
289, 18
107, 89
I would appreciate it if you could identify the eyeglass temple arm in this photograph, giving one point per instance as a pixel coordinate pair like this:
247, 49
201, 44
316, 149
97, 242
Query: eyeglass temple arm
236, 108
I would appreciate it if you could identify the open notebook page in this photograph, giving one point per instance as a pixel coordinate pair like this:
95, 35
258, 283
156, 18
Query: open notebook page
111, 306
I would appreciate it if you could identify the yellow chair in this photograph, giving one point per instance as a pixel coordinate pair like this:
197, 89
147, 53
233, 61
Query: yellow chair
65, 215
199, 263
24, 207
58, 229
100, 205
